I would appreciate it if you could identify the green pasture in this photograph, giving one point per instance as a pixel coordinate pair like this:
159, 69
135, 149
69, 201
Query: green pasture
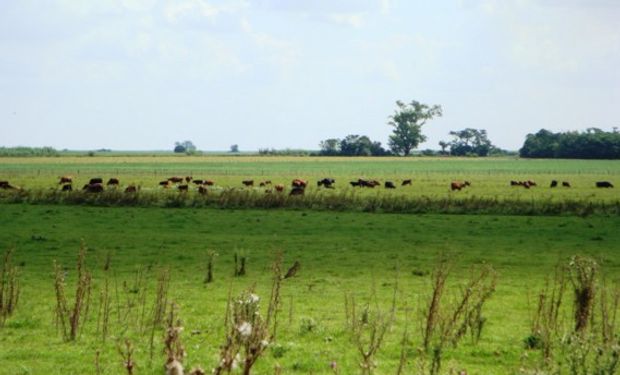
490, 177
339, 252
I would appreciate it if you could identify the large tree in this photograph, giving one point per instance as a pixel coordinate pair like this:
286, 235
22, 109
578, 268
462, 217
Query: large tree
407, 122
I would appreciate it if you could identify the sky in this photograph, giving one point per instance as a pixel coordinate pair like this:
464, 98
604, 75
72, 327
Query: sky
142, 74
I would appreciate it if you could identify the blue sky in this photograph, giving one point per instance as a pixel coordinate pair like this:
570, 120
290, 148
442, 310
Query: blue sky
142, 74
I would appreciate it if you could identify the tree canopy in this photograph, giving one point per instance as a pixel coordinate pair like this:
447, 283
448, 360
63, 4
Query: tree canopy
184, 147
407, 122
470, 142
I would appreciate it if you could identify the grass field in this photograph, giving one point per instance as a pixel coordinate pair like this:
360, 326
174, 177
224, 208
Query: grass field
340, 251
490, 177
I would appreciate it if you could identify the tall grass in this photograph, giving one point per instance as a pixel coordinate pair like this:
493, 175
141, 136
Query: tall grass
346, 200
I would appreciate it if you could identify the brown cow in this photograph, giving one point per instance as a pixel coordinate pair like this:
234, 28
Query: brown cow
188, 179
457, 185
406, 182
202, 190
65, 180
565, 184
93, 188
198, 182
113, 181
299, 183
209, 182
248, 183
279, 188
95, 180
131, 189
165, 184
176, 179
183, 188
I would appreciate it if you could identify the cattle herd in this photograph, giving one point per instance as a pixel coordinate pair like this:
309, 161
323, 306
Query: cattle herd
298, 186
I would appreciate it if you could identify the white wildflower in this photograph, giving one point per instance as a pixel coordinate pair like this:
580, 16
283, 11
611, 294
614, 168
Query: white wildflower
253, 298
245, 329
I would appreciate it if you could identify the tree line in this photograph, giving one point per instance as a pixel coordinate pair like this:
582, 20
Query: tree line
592, 143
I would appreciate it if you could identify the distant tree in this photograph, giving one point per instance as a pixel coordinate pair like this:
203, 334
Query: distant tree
407, 122
443, 145
356, 145
330, 147
184, 147
234, 148
352, 145
470, 142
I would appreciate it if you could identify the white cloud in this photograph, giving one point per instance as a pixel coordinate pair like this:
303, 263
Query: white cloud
355, 20
278, 51
174, 11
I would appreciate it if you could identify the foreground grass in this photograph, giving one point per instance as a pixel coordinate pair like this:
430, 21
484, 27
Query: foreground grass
339, 252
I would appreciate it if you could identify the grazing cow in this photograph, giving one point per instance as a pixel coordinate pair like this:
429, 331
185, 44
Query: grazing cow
198, 182
176, 179
165, 184
297, 190
202, 190
368, 183
554, 183
531, 183
604, 184
565, 184
326, 182
406, 182
248, 183
131, 189
355, 183
299, 183
93, 188
515, 183
389, 185
66, 187
5, 185
525, 184
208, 182
65, 180
188, 179
265, 183
279, 188
113, 181
96, 180
457, 185
183, 188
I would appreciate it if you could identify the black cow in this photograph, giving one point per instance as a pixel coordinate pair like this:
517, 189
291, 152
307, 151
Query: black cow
406, 182
66, 187
554, 183
113, 181
604, 184
96, 180
355, 183
565, 183
297, 190
93, 188
389, 185
248, 183
326, 182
